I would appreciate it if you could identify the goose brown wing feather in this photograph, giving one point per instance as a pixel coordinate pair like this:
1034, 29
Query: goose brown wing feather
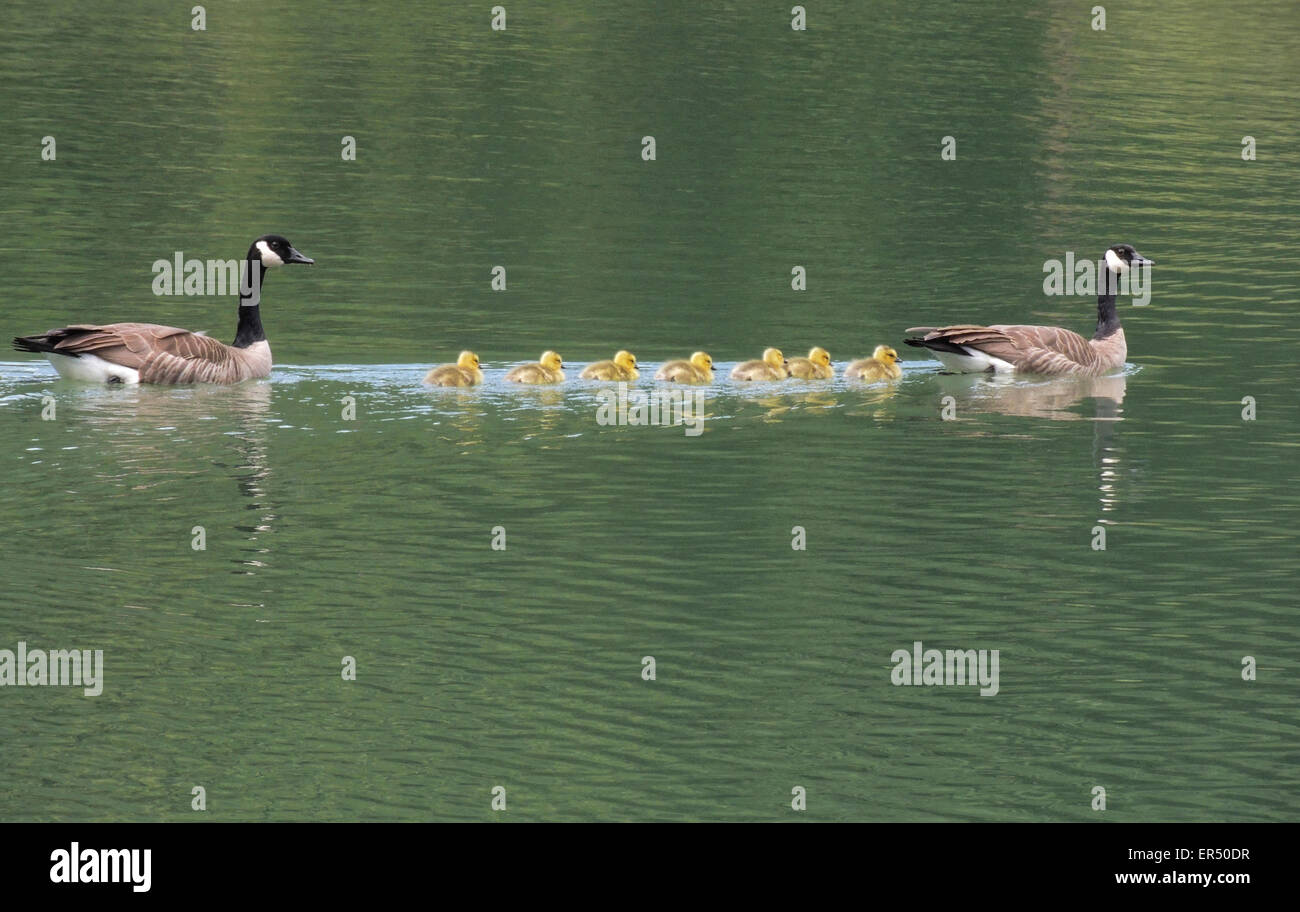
187, 357
1050, 349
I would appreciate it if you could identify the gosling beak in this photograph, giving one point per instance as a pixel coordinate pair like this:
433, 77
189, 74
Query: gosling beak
296, 257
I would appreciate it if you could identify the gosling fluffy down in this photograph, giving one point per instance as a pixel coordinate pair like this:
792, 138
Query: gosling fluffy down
817, 366
882, 365
771, 367
699, 369
546, 370
622, 367
465, 372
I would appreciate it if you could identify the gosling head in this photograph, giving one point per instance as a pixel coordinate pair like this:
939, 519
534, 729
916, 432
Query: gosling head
1122, 257
702, 360
551, 361
467, 360
886, 355
274, 250
819, 355
774, 357
625, 359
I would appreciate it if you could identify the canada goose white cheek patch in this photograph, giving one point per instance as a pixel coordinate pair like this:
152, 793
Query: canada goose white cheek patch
269, 256
1115, 263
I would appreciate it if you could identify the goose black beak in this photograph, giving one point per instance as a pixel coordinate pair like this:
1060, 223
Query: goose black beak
296, 257
1140, 260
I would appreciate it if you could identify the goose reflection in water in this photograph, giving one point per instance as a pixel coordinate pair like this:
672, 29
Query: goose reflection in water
251, 407
154, 433
1053, 398
1043, 397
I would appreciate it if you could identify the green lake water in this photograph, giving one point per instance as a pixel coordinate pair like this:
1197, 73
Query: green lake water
522, 668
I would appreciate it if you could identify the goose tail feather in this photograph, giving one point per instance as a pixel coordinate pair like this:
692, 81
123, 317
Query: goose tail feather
942, 345
37, 344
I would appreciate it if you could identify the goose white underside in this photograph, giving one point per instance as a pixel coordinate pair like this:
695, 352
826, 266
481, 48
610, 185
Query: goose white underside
973, 362
91, 369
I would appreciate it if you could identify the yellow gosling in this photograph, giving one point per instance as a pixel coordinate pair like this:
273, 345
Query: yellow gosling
817, 366
546, 370
465, 372
771, 367
882, 365
699, 369
623, 367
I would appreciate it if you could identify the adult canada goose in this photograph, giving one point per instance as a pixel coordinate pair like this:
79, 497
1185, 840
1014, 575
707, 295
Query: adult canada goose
465, 372
817, 366
882, 365
772, 366
623, 367
1039, 349
149, 353
547, 369
699, 369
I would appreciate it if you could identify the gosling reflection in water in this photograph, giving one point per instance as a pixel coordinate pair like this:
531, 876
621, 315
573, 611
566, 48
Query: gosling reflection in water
463, 429
866, 399
812, 402
663, 406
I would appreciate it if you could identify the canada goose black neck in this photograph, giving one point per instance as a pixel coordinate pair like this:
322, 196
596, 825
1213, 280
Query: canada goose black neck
250, 301
1107, 315
1119, 259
